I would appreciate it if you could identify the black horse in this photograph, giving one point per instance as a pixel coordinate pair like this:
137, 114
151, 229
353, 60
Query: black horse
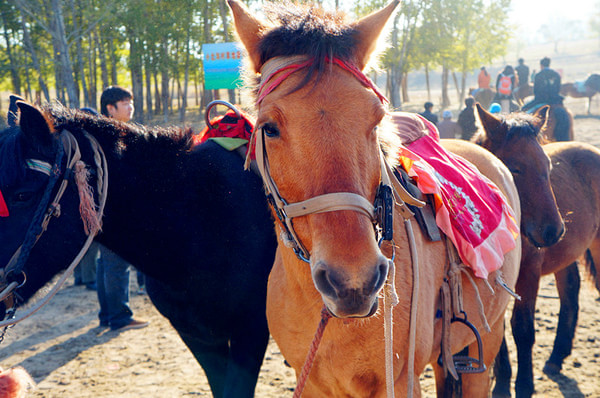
186, 215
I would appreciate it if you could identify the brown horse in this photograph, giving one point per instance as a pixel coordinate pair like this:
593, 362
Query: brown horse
574, 178
317, 136
522, 92
586, 89
483, 95
559, 122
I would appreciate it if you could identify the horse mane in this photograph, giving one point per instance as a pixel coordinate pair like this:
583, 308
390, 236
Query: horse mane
144, 143
11, 155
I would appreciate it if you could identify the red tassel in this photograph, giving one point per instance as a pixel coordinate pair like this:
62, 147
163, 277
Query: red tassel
3, 207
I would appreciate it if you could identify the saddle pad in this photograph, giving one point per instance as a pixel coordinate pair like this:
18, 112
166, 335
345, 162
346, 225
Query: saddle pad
470, 209
227, 130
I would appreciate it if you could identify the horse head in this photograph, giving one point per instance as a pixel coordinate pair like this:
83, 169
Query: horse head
516, 140
318, 116
42, 177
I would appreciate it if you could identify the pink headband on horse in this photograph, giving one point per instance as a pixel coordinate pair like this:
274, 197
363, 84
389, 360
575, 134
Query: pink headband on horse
289, 65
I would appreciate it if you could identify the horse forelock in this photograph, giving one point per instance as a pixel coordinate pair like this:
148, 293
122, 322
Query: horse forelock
12, 161
523, 125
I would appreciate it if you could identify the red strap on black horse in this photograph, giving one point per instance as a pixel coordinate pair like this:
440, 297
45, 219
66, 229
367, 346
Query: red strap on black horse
228, 125
3, 207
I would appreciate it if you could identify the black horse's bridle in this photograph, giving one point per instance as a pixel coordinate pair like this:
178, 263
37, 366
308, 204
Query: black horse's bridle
13, 276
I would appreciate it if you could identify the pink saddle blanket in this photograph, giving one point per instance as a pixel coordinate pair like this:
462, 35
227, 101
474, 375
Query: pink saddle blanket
470, 209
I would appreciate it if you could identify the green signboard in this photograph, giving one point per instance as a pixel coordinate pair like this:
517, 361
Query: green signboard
222, 64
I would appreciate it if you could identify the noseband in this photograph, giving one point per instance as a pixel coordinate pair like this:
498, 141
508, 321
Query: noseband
389, 193
47, 209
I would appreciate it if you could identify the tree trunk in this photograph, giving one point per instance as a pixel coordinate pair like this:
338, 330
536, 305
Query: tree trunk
14, 67
34, 58
186, 78
445, 99
157, 94
165, 81
102, 43
456, 86
61, 48
112, 54
80, 64
92, 57
405, 87
137, 77
148, 77
427, 82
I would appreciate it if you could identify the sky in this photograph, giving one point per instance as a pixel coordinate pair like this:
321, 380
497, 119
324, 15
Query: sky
531, 14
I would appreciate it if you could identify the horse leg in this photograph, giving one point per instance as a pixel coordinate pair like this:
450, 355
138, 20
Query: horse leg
247, 350
502, 372
568, 284
212, 358
478, 384
523, 327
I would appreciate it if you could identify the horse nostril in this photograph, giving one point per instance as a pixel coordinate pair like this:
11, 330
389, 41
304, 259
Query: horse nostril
322, 281
552, 235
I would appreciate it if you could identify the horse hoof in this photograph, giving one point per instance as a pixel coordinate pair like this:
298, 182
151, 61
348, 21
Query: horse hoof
551, 369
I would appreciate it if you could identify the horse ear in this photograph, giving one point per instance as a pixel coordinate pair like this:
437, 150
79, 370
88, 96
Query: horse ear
36, 129
492, 126
11, 117
369, 28
543, 114
249, 29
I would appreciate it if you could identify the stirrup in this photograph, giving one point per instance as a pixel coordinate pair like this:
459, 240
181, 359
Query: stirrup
465, 363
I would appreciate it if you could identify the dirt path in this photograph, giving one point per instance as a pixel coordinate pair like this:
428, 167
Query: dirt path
68, 356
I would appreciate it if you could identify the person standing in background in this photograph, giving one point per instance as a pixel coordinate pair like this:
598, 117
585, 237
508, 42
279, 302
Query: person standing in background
447, 127
112, 273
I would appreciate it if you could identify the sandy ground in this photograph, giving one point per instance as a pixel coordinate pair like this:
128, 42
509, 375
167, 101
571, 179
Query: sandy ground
69, 356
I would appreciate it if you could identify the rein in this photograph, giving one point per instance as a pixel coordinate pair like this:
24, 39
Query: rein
46, 211
391, 194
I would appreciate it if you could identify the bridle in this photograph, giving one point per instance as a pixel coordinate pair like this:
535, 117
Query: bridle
47, 209
390, 192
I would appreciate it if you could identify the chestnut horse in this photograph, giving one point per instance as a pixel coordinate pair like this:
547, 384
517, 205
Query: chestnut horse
559, 122
522, 92
318, 137
574, 178
586, 89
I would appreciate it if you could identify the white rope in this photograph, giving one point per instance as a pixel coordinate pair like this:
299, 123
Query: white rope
390, 300
413, 308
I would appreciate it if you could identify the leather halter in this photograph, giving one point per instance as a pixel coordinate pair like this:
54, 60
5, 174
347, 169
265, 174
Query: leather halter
15, 265
332, 201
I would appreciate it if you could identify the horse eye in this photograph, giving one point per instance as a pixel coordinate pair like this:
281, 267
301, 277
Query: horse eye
515, 170
23, 196
271, 130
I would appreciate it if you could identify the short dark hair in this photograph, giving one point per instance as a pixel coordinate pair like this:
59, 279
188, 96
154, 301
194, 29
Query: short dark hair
111, 95
469, 101
521, 60
545, 62
428, 105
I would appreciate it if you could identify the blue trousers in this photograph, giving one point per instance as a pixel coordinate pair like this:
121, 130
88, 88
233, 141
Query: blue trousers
112, 277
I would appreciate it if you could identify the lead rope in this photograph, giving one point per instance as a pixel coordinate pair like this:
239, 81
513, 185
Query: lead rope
314, 346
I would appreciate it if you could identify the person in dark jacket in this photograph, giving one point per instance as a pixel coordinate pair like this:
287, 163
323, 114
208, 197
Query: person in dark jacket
427, 114
522, 73
546, 86
466, 119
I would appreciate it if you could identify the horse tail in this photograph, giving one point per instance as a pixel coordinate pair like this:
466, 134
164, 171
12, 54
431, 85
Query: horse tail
591, 269
563, 124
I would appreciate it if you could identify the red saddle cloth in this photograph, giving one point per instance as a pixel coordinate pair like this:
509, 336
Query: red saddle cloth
470, 209
3, 207
229, 126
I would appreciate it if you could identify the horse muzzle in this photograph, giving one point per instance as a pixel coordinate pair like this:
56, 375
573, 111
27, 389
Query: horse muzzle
348, 296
